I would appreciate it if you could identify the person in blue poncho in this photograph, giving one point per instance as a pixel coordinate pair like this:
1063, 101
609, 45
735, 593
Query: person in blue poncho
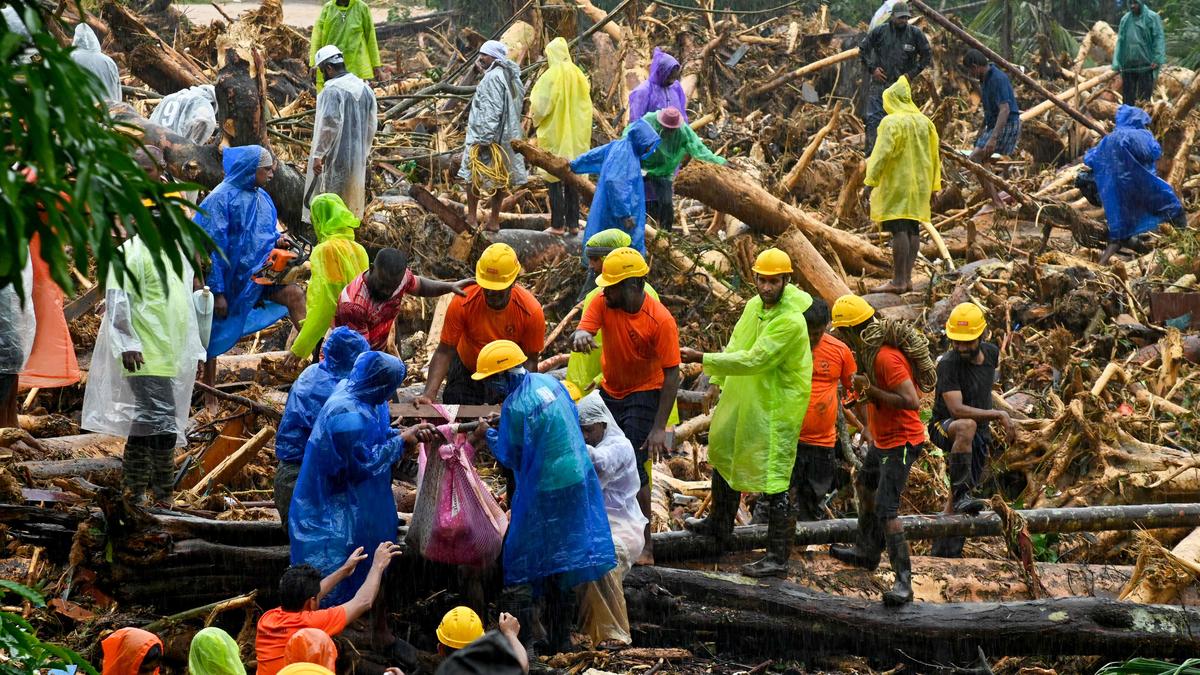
558, 534
305, 400
1135, 199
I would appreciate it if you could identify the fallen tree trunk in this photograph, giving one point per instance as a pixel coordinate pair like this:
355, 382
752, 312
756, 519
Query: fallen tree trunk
806, 69
558, 167
1045, 106
148, 56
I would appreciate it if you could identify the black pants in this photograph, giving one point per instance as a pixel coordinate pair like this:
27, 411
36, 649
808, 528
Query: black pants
660, 201
635, 415
812, 479
1136, 86
286, 475
564, 206
885, 472
462, 390
874, 113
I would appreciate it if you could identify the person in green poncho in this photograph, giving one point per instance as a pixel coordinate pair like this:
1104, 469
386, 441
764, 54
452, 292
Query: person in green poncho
679, 142
765, 379
347, 24
1140, 53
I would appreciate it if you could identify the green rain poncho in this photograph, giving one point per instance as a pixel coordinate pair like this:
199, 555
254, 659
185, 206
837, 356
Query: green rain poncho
213, 652
335, 260
669, 154
765, 375
1140, 42
904, 168
353, 31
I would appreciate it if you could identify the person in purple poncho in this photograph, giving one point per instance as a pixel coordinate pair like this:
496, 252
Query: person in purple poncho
660, 90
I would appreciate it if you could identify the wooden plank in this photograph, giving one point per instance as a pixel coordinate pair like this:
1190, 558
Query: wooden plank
232, 464
228, 440
84, 303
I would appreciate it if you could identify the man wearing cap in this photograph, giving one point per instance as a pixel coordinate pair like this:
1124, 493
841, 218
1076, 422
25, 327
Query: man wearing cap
348, 25
890, 50
496, 308
896, 434
639, 360
489, 165
765, 378
342, 135
679, 145
962, 413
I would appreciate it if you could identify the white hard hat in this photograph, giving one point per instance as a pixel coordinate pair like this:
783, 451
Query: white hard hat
329, 53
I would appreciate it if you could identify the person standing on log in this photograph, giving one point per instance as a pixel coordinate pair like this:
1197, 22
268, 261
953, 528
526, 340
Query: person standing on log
87, 54
639, 360
489, 165
342, 135
347, 24
896, 436
660, 90
560, 105
1001, 115
678, 146
765, 378
1141, 52
903, 172
890, 51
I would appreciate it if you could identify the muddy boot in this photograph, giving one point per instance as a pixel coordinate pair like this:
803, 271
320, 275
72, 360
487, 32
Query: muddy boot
721, 512
898, 554
961, 484
781, 532
866, 550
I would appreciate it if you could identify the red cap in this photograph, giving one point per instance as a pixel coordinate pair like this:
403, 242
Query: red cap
670, 118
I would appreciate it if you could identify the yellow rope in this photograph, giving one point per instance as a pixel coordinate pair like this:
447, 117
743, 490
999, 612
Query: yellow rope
486, 178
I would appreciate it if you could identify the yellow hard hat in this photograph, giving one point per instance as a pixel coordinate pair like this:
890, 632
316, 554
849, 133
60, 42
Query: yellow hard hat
496, 357
460, 627
851, 310
621, 264
966, 322
497, 268
574, 390
772, 262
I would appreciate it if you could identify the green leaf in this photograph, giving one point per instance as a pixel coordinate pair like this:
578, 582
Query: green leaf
25, 592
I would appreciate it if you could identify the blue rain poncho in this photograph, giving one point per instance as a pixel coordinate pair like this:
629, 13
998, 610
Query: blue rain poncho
1135, 199
240, 217
343, 498
87, 54
558, 521
313, 388
620, 193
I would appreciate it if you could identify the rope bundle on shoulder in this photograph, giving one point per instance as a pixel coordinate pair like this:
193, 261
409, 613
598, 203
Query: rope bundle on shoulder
907, 339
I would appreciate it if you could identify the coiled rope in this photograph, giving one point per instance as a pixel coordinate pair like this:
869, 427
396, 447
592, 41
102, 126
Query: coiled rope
487, 178
907, 339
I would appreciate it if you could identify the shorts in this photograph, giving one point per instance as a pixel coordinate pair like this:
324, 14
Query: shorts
981, 446
635, 415
1007, 143
902, 225
885, 472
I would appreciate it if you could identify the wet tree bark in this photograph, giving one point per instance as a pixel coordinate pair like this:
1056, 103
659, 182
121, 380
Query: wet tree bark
153, 60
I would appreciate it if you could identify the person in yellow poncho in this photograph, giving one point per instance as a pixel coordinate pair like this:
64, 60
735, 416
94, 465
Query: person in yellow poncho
765, 379
347, 24
903, 172
336, 260
560, 104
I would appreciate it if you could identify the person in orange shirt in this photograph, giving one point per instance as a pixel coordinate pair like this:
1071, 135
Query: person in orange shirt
496, 308
639, 362
896, 436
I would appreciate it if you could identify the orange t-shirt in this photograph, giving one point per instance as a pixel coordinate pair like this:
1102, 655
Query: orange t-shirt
832, 363
471, 324
276, 627
637, 347
893, 427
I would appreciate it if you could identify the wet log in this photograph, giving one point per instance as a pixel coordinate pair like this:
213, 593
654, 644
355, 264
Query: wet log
792, 179
241, 96
1164, 588
796, 74
98, 470
148, 56
1045, 106
558, 167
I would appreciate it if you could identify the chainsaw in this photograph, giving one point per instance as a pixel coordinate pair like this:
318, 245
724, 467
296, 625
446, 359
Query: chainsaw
286, 261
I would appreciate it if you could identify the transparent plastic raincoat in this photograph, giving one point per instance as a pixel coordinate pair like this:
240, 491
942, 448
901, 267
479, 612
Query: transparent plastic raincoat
558, 523
313, 388
1124, 163
905, 168
343, 498
144, 314
765, 375
335, 260
652, 94
240, 217
87, 54
616, 467
213, 652
560, 104
17, 323
342, 138
620, 191
495, 117
352, 29
191, 113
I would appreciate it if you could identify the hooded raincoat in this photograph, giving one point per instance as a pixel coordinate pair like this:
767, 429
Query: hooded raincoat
674, 146
312, 389
765, 375
1140, 42
560, 104
654, 94
620, 191
240, 217
311, 645
352, 29
904, 168
87, 54
18, 323
336, 260
125, 650
342, 138
1135, 199
153, 315
213, 652
616, 467
558, 524
191, 113
343, 498
495, 117
52, 361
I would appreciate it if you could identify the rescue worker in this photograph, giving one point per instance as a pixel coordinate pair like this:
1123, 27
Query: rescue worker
489, 165
459, 627
890, 51
764, 376
1001, 115
560, 105
903, 172
131, 651
348, 25
342, 135
620, 199
1141, 52
661, 89
679, 144
87, 53
191, 113
496, 652
896, 437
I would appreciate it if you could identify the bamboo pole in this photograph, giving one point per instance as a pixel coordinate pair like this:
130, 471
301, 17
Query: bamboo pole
802, 71
1087, 85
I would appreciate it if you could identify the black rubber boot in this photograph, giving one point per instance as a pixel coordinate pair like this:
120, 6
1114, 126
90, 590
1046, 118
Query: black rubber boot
781, 532
898, 554
866, 551
721, 512
961, 483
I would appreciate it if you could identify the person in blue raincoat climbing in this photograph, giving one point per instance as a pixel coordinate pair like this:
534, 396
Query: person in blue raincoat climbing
558, 536
1136, 200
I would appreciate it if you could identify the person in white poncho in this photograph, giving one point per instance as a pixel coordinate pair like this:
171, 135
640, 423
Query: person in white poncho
87, 54
191, 113
17, 328
343, 134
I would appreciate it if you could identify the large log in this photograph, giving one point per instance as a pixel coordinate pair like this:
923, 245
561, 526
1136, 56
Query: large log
557, 167
1045, 106
148, 56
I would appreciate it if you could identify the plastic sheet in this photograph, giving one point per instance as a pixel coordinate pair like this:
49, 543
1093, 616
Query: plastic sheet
191, 113
560, 104
312, 389
125, 650
342, 137
213, 652
495, 117
905, 167
87, 54
18, 323
620, 191
336, 260
654, 94
52, 361
603, 615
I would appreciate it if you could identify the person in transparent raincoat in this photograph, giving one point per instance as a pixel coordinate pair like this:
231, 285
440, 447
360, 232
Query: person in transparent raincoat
18, 324
342, 135
87, 54
191, 113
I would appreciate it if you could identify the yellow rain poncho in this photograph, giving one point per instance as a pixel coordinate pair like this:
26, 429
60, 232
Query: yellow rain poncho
765, 375
352, 29
335, 260
904, 169
560, 104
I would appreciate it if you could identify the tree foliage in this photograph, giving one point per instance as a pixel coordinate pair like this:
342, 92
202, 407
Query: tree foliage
24, 653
